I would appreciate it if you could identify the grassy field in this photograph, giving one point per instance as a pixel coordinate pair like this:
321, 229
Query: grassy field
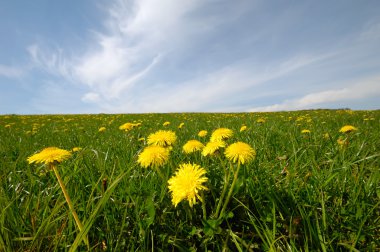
304, 191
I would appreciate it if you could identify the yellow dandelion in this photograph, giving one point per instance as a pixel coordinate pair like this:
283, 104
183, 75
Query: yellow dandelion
192, 146
162, 138
166, 124
305, 131
101, 129
7, 126
240, 152
127, 126
243, 128
76, 149
181, 125
202, 133
49, 155
326, 136
212, 147
347, 129
141, 139
260, 120
153, 156
221, 134
186, 183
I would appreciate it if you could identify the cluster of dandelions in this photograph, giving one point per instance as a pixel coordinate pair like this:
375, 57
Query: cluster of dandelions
188, 181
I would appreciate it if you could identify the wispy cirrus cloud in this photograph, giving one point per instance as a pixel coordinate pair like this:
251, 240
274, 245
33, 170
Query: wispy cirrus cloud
11, 72
194, 56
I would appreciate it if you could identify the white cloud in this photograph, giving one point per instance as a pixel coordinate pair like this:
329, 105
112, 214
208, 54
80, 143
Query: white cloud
91, 97
11, 72
118, 71
360, 89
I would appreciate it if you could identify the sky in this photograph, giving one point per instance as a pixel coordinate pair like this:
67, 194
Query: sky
141, 56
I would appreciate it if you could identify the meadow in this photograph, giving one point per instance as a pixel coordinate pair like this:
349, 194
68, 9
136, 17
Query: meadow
305, 184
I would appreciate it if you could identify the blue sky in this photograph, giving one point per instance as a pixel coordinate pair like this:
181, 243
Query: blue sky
188, 56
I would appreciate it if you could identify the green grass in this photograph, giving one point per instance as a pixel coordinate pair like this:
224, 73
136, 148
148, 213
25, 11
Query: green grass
303, 192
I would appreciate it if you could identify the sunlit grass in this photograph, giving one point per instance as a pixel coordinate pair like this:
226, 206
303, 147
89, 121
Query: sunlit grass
300, 191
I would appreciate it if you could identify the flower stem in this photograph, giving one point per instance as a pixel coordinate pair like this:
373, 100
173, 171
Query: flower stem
230, 191
68, 200
226, 179
203, 205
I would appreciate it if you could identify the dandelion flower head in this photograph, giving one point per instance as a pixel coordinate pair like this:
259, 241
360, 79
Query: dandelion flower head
212, 147
76, 149
240, 152
202, 133
49, 155
166, 124
305, 131
243, 128
347, 129
261, 120
186, 183
162, 138
192, 146
155, 156
101, 129
181, 125
127, 126
221, 134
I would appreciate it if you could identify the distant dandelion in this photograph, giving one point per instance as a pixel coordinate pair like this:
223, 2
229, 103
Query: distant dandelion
202, 133
181, 125
50, 155
347, 129
212, 147
240, 152
192, 146
243, 128
166, 124
305, 131
127, 126
221, 134
76, 149
101, 129
187, 183
162, 138
155, 156
260, 120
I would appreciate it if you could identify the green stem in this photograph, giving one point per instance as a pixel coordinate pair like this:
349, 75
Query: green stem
226, 179
203, 206
230, 191
68, 200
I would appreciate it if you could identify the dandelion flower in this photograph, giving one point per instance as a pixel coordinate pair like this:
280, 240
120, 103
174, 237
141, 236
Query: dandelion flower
49, 155
181, 125
261, 120
153, 156
221, 134
243, 128
186, 183
162, 138
166, 124
101, 129
192, 146
202, 133
127, 126
347, 129
212, 147
76, 149
240, 152
305, 131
